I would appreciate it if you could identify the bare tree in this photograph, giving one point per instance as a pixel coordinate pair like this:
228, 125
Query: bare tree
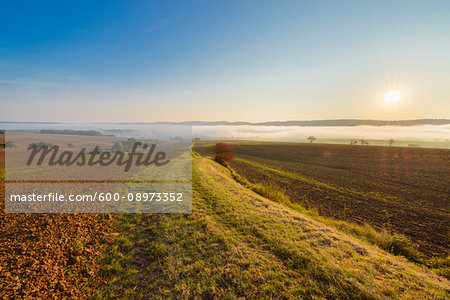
391, 141
311, 139
364, 142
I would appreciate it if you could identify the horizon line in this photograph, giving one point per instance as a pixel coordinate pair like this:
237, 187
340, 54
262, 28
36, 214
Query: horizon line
231, 122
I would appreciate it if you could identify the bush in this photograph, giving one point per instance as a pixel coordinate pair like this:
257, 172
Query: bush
10, 144
118, 147
40, 144
224, 153
126, 145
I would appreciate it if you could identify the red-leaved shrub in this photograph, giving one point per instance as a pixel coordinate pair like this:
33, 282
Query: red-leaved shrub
224, 153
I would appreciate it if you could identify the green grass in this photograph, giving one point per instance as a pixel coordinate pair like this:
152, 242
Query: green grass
118, 260
385, 239
239, 244
394, 243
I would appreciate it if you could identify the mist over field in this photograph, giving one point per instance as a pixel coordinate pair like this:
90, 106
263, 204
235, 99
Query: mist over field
426, 133
439, 135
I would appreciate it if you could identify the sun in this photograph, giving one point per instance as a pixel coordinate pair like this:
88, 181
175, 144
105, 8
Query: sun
392, 96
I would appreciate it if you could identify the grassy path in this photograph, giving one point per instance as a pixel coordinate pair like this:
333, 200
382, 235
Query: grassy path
239, 244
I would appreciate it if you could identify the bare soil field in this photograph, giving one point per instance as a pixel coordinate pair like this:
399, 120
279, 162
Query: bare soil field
405, 190
43, 255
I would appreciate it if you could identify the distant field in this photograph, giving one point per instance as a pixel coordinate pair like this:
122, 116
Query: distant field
406, 190
398, 143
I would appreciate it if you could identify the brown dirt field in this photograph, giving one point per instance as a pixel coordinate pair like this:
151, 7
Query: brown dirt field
406, 190
50, 255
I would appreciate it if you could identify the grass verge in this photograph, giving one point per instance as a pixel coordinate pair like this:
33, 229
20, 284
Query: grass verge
394, 243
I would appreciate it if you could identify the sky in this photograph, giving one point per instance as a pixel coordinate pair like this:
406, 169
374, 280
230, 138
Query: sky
146, 61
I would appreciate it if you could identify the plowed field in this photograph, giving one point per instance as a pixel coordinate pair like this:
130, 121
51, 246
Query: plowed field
406, 190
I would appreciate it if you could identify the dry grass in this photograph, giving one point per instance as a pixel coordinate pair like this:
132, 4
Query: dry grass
394, 243
237, 243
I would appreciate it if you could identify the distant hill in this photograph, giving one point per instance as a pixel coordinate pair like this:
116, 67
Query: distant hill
335, 122
72, 132
339, 122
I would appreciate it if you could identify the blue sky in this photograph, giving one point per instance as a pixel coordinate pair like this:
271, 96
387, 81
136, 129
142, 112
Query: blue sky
91, 61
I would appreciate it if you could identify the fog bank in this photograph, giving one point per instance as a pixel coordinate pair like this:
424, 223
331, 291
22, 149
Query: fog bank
289, 133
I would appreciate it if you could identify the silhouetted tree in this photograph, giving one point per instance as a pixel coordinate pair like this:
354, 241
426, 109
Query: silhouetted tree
364, 142
311, 139
224, 153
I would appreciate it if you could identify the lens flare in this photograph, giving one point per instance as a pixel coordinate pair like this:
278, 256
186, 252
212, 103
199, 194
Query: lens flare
392, 96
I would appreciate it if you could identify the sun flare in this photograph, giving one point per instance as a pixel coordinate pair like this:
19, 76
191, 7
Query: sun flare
392, 96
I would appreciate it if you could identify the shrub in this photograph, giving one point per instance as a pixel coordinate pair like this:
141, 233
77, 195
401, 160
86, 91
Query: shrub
224, 153
126, 145
40, 144
119, 147
10, 144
